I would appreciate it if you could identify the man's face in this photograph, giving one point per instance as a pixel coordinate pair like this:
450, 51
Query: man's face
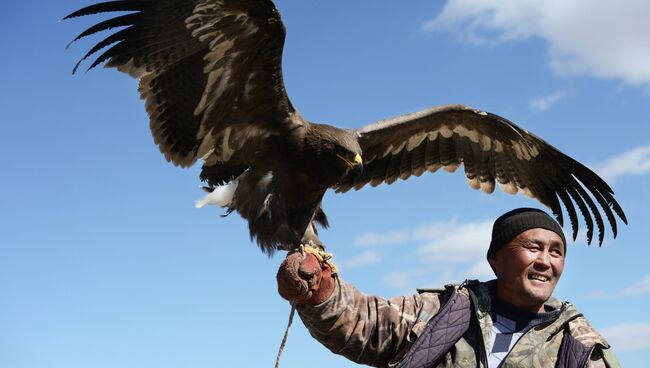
528, 268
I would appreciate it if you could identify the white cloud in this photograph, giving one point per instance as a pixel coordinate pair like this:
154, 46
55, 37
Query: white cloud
450, 250
633, 162
427, 232
598, 294
480, 270
605, 39
639, 288
458, 243
391, 237
365, 258
403, 279
433, 230
543, 103
375, 238
628, 337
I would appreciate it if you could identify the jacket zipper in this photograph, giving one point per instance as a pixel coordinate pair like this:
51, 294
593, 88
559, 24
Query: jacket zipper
521, 337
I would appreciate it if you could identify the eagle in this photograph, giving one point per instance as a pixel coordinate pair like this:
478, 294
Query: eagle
210, 74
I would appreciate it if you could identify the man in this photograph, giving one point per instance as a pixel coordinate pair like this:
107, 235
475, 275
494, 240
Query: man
512, 321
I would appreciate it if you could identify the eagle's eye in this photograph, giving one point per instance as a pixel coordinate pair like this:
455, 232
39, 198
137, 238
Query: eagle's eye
351, 159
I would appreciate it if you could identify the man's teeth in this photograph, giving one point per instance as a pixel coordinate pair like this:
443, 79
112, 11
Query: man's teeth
539, 277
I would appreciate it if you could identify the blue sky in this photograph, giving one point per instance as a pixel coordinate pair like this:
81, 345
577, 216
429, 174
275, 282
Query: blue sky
105, 262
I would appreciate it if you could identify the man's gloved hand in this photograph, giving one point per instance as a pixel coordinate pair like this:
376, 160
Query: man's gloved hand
303, 279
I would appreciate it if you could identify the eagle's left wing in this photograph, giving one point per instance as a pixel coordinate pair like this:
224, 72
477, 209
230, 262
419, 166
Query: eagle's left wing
490, 148
209, 71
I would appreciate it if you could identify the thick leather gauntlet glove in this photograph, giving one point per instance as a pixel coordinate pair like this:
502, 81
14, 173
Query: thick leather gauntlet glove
302, 278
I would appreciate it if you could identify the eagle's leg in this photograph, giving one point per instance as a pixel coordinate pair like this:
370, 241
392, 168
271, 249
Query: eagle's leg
310, 237
293, 240
304, 228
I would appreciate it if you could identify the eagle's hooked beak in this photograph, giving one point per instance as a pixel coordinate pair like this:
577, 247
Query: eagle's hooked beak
356, 164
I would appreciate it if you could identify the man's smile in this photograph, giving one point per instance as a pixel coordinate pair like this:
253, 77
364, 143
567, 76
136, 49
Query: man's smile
539, 277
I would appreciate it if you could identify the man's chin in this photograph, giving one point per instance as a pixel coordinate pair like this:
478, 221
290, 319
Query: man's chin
538, 295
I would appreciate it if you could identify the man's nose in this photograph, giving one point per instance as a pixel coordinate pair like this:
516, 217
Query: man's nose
543, 259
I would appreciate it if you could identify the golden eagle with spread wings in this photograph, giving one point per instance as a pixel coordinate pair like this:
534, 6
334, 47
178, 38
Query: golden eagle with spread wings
210, 73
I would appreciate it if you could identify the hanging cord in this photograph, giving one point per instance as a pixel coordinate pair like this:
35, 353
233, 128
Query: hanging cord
286, 334
322, 258
301, 249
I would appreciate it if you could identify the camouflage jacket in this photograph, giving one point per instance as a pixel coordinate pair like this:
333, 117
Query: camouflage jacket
378, 332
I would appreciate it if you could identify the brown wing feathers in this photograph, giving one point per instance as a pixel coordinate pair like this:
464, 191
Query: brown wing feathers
165, 58
204, 66
492, 150
155, 36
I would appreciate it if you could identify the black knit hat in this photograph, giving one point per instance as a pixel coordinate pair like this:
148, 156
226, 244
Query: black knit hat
515, 222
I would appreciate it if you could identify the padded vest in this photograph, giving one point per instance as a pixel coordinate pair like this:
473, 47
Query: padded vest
442, 332
446, 328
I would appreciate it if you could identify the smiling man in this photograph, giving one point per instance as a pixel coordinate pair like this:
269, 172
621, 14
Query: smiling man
512, 321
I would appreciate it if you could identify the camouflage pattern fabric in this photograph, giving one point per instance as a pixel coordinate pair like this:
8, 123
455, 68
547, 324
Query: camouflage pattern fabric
376, 331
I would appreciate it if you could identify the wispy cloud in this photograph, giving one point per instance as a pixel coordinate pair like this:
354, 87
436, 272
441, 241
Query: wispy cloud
375, 238
543, 103
633, 162
426, 232
404, 279
450, 248
578, 44
459, 243
639, 288
407, 281
598, 294
367, 257
434, 230
480, 270
628, 337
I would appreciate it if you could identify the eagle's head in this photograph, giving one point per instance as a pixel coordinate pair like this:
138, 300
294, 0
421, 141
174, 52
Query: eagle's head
347, 151
351, 160
337, 149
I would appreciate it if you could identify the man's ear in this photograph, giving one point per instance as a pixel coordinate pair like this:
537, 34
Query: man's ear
492, 261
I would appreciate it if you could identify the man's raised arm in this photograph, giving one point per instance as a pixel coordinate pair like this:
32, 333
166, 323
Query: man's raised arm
365, 329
